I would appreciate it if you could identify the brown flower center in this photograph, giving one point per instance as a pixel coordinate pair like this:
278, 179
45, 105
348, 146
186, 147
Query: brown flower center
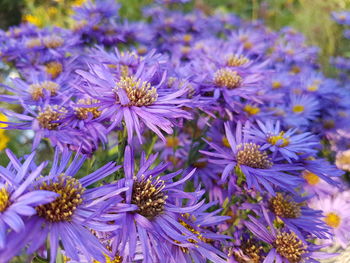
249, 154
37, 90
149, 197
53, 41
83, 113
288, 245
284, 206
62, 208
48, 118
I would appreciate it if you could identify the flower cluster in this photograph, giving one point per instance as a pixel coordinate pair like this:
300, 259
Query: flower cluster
186, 138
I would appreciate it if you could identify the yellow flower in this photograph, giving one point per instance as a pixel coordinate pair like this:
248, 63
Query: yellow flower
4, 139
3, 118
78, 2
33, 20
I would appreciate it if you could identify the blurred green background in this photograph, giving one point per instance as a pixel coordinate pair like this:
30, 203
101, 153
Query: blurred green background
311, 17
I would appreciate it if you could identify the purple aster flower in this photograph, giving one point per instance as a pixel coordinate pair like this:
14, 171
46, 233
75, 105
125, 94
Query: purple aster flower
301, 110
287, 143
17, 196
36, 91
341, 17
135, 100
258, 168
83, 117
322, 169
70, 218
46, 123
285, 246
297, 216
158, 222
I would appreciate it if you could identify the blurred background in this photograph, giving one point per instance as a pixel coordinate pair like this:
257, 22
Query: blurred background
311, 17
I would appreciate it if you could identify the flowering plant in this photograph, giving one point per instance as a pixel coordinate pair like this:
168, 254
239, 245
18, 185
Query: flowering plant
186, 138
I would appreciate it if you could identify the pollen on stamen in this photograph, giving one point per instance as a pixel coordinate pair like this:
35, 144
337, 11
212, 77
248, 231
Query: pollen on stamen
236, 61
54, 69
278, 140
333, 220
4, 199
249, 154
172, 142
251, 110
139, 93
283, 206
33, 42
298, 108
288, 245
53, 41
227, 78
250, 253
63, 207
37, 89
149, 197
83, 112
311, 178
48, 117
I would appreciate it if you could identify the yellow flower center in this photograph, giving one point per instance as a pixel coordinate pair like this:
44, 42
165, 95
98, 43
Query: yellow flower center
312, 87
53, 41
116, 259
295, 70
37, 89
298, 108
54, 69
284, 206
332, 220
33, 42
225, 142
4, 199
274, 139
311, 178
139, 93
251, 110
236, 61
48, 117
288, 245
247, 45
249, 154
62, 208
187, 38
3, 118
83, 113
172, 142
227, 78
149, 197
276, 85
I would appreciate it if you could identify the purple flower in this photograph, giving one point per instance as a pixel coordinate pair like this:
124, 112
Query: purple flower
158, 222
297, 216
18, 199
69, 219
46, 122
259, 169
285, 245
135, 100
287, 143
